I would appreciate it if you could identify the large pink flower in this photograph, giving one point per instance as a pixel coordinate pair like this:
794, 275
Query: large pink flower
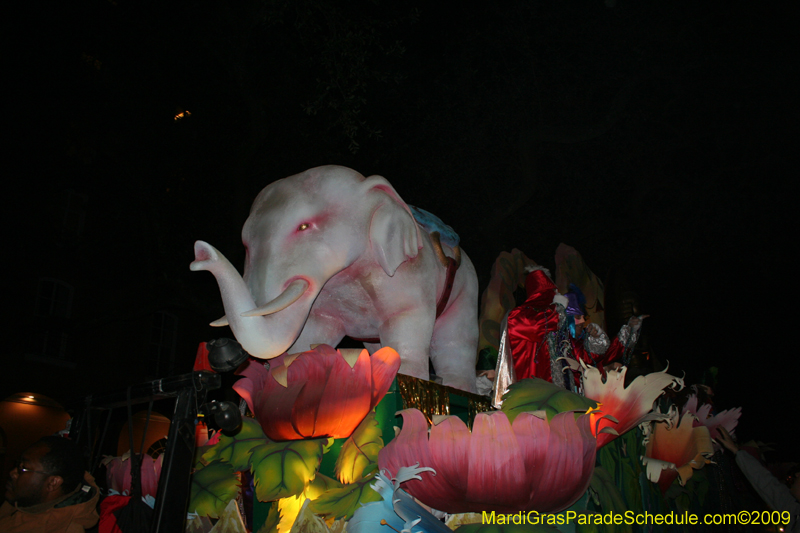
627, 406
320, 393
498, 466
118, 473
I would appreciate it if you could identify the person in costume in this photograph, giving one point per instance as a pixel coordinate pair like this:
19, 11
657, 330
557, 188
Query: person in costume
588, 342
533, 329
549, 325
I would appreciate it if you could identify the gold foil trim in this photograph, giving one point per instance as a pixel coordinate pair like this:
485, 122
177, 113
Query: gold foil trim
434, 399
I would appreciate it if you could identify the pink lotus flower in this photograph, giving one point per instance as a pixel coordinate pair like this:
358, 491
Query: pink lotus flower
118, 473
498, 466
320, 393
728, 419
675, 449
623, 408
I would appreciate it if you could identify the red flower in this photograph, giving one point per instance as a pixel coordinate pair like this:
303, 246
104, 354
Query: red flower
320, 393
498, 466
623, 408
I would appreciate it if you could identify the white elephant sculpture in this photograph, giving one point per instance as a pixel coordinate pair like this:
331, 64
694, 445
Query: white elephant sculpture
331, 253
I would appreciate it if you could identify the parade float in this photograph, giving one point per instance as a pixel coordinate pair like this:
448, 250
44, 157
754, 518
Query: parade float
362, 441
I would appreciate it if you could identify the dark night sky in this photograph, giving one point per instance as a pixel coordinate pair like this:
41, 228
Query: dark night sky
657, 138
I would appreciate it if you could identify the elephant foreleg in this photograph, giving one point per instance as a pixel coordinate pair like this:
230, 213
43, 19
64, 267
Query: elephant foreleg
410, 335
454, 347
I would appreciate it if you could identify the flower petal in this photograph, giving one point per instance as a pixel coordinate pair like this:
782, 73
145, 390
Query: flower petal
449, 444
385, 364
313, 369
569, 463
629, 405
254, 376
151, 470
727, 419
410, 447
346, 396
496, 474
274, 411
533, 436
682, 445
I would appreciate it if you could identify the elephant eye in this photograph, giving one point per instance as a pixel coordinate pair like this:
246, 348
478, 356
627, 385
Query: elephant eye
302, 227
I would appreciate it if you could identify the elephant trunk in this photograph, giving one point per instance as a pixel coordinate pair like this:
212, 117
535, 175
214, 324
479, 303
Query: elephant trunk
260, 335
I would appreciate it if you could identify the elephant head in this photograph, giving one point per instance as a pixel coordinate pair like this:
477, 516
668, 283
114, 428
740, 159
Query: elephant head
302, 231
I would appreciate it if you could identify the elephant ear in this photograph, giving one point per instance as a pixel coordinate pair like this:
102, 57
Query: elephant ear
393, 232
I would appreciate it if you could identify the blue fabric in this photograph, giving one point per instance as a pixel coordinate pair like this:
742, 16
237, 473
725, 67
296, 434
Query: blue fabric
431, 223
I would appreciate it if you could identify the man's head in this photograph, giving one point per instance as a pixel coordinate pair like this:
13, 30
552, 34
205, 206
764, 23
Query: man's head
46, 471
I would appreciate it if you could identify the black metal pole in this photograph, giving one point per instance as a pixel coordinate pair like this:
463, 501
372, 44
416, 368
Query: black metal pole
173, 485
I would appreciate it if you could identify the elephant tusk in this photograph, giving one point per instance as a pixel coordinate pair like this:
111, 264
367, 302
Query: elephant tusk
289, 296
220, 322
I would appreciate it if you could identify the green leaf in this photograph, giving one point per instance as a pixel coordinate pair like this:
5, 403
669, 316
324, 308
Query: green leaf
360, 451
328, 445
608, 457
236, 449
283, 469
343, 502
199, 452
320, 485
610, 498
213, 486
698, 486
540, 395
620, 459
272, 521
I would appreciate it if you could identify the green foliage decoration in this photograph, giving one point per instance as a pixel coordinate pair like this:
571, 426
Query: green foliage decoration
540, 395
621, 460
273, 519
328, 445
342, 502
610, 499
236, 449
692, 496
213, 486
321, 483
283, 469
359, 453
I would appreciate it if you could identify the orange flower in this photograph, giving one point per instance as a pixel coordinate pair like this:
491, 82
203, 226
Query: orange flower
320, 393
675, 449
